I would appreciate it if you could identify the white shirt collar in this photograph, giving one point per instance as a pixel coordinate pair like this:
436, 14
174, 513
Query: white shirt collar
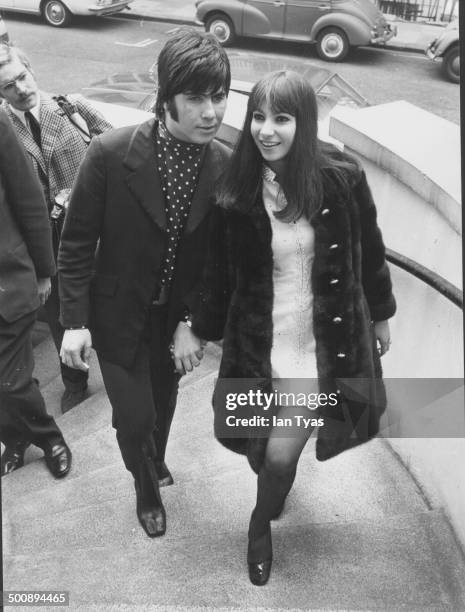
268, 174
35, 111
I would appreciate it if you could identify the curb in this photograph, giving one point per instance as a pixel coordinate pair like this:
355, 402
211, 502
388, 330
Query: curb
191, 22
418, 50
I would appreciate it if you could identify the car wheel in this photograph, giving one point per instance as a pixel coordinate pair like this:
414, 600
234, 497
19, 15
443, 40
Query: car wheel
451, 65
55, 13
222, 29
332, 45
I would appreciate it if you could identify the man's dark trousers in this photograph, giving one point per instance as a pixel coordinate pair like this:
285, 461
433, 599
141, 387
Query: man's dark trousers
143, 397
23, 416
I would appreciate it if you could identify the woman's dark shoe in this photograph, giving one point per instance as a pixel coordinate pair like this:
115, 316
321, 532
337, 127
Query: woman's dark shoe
260, 557
151, 513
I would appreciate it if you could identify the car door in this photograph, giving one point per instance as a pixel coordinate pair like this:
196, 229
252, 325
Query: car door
264, 18
301, 15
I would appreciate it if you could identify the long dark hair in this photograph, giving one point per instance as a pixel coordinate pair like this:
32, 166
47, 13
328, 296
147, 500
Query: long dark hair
308, 162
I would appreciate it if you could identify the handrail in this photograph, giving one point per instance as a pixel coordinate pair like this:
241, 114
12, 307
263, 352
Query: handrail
445, 288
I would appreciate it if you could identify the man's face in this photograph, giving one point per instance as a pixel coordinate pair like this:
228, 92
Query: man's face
18, 86
199, 116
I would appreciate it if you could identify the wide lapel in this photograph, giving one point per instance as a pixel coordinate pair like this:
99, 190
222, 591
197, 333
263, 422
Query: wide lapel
142, 178
201, 202
51, 126
27, 139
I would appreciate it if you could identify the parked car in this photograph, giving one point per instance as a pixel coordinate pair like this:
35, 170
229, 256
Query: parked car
59, 13
334, 25
446, 47
3, 32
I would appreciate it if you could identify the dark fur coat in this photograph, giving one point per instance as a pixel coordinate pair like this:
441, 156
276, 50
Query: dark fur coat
351, 289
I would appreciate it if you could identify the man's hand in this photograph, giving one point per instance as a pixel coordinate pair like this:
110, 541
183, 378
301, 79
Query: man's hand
383, 336
75, 348
44, 287
187, 349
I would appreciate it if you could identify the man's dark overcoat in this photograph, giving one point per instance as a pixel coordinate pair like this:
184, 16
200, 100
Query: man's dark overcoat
25, 234
118, 207
351, 289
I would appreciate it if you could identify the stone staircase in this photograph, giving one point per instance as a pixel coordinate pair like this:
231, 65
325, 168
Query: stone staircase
356, 533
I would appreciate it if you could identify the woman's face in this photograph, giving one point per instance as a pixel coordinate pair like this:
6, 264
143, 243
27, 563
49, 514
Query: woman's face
273, 133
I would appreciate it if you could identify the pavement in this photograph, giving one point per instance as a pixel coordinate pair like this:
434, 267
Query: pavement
357, 532
411, 36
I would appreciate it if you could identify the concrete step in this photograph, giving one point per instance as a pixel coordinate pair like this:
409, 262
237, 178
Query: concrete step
405, 562
356, 532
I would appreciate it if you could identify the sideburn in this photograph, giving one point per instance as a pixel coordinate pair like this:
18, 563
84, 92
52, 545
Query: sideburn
172, 109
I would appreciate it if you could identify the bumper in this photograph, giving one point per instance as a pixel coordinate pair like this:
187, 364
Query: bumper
385, 37
110, 9
431, 51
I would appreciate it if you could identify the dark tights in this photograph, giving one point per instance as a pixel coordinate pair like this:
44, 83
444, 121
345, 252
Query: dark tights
275, 480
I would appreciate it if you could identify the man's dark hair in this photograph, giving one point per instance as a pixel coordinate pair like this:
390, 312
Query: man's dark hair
190, 62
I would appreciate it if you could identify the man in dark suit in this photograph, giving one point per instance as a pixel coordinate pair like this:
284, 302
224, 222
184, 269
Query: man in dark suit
56, 144
143, 195
26, 265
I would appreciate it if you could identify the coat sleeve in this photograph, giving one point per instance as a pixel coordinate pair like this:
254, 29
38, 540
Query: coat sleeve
80, 236
209, 316
96, 122
376, 278
26, 199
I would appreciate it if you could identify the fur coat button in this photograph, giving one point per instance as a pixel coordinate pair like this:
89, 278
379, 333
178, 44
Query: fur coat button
334, 281
341, 355
325, 212
334, 246
337, 320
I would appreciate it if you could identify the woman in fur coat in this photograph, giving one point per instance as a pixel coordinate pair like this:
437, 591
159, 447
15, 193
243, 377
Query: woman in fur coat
297, 286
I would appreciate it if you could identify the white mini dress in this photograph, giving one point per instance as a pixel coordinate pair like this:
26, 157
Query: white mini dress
293, 351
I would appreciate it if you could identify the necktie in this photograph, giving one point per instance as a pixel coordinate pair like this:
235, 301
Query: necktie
33, 126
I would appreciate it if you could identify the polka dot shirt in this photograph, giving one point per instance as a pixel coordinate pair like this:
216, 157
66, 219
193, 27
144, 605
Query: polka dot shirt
178, 166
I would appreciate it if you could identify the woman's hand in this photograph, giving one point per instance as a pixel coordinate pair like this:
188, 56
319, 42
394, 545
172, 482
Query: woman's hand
383, 335
186, 349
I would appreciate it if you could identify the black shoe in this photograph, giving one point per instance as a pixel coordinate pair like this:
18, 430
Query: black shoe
71, 398
13, 457
164, 475
151, 517
259, 558
58, 459
259, 573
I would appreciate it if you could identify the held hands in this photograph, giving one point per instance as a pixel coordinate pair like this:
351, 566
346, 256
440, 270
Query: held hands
186, 349
75, 348
44, 287
383, 336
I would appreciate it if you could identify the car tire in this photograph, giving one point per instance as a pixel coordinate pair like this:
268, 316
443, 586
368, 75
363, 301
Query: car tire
332, 45
451, 65
56, 14
222, 29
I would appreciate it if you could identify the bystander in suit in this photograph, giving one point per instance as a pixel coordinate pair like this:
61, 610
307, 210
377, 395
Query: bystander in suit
26, 266
55, 133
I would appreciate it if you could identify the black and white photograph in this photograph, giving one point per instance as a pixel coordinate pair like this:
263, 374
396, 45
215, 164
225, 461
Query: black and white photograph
231, 306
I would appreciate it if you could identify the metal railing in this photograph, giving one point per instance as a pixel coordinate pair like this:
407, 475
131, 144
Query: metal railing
411, 10
437, 282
